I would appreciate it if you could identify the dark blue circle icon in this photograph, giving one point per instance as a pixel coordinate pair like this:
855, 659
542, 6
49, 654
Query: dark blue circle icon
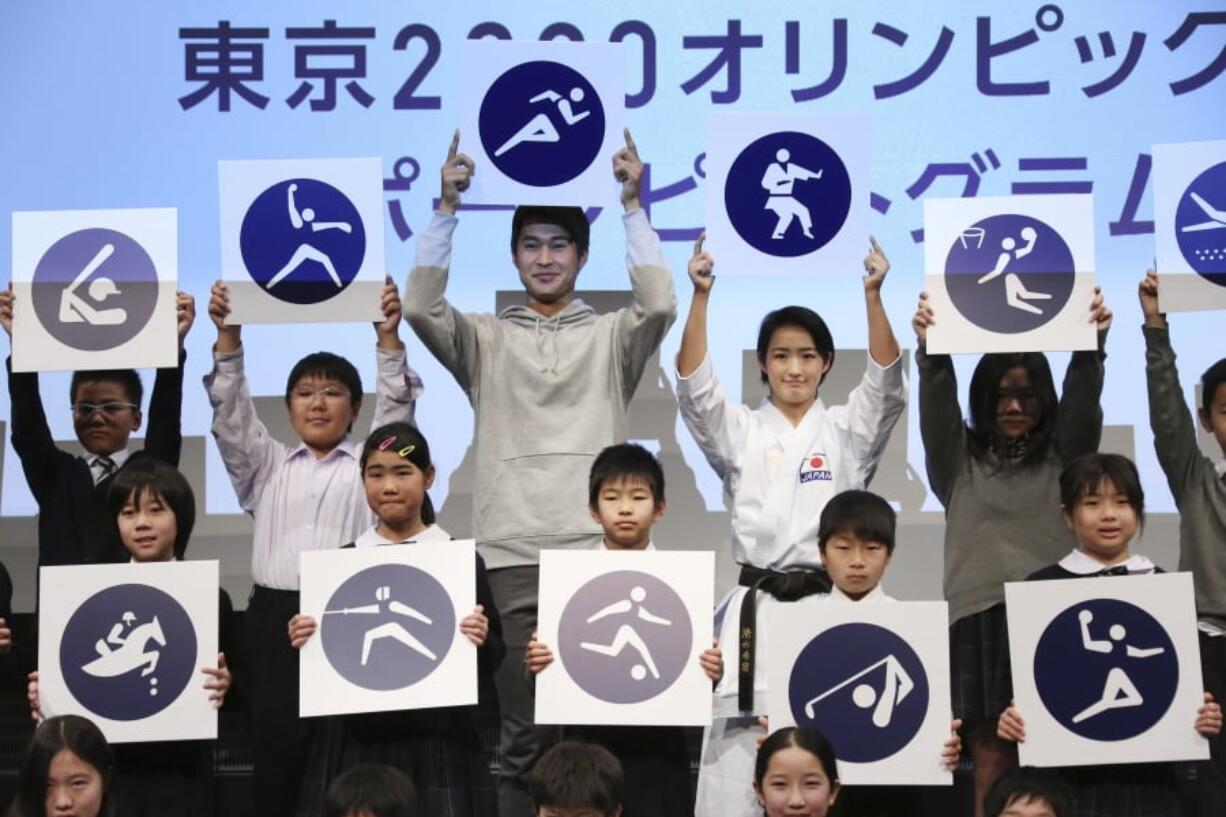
94, 289
1009, 273
1200, 224
871, 702
388, 627
1106, 669
128, 652
625, 637
541, 123
302, 241
787, 194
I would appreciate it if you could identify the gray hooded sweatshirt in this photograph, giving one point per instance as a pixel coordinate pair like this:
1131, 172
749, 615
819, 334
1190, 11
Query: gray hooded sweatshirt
547, 393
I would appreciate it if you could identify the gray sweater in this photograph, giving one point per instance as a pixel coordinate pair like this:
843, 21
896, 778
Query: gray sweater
1200, 494
1002, 522
547, 393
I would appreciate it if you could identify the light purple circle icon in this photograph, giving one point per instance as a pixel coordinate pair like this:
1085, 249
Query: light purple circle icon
625, 637
388, 627
94, 289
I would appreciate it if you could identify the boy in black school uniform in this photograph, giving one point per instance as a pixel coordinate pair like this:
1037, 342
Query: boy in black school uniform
575, 779
1198, 485
626, 497
73, 523
855, 536
1104, 506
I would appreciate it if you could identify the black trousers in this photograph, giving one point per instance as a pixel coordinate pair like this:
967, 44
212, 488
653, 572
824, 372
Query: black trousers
280, 739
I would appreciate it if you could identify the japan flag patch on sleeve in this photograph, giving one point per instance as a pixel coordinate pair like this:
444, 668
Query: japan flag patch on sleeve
815, 467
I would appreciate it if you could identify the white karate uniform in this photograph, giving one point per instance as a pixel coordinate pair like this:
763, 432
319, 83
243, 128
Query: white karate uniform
777, 478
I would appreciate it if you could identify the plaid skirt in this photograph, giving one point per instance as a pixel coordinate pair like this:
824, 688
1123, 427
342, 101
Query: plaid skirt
979, 665
437, 748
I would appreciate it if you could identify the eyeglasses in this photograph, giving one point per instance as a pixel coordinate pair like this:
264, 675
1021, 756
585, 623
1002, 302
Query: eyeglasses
113, 409
329, 393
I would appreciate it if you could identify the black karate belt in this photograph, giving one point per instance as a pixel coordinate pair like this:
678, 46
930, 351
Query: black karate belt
790, 586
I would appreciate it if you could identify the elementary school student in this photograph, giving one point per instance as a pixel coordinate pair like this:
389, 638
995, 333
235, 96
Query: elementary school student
626, 497
1198, 485
106, 410
856, 540
575, 779
154, 509
305, 497
1104, 507
438, 747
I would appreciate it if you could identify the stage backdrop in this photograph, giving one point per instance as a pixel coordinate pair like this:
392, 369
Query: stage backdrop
125, 104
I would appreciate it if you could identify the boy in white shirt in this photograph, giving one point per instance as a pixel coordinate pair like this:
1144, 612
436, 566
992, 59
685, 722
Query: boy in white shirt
856, 539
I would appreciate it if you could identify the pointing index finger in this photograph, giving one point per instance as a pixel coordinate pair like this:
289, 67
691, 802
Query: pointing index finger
873, 243
698, 243
455, 145
630, 141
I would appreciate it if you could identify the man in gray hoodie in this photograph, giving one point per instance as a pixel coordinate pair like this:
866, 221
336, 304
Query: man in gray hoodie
550, 383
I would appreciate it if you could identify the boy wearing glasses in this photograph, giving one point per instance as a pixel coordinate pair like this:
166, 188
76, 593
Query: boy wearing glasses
306, 497
74, 526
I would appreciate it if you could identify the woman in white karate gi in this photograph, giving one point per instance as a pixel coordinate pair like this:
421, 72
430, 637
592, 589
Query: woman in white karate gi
780, 463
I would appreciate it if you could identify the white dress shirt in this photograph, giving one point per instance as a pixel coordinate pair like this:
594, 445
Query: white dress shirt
299, 502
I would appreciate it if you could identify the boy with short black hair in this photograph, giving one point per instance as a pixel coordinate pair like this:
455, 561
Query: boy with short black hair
1029, 792
856, 539
1198, 485
73, 524
626, 497
371, 790
308, 497
576, 779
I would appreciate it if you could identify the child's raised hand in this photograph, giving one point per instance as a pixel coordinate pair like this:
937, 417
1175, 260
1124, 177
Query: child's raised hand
301, 628
1147, 292
476, 626
219, 681
6, 310
1010, 726
701, 267
923, 318
951, 751
388, 329
36, 707
6, 637
876, 265
537, 656
1100, 315
185, 313
712, 661
228, 337
1209, 717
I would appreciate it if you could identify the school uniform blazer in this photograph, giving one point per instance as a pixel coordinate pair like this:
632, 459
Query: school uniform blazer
74, 526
